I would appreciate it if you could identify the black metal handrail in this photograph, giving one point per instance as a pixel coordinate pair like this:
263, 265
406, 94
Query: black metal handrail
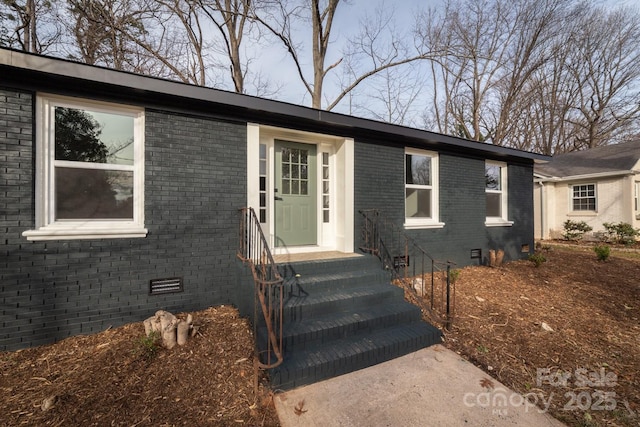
254, 250
410, 265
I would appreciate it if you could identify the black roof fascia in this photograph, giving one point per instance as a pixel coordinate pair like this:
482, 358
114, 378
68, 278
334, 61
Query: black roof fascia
37, 72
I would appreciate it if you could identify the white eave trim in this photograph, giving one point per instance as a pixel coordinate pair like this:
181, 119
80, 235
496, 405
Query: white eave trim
542, 178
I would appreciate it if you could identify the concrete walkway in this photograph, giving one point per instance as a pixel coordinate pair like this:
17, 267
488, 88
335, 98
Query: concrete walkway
431, 387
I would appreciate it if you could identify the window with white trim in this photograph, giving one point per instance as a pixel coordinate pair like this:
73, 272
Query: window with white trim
421, 189
89, 170
495, 175
583, 197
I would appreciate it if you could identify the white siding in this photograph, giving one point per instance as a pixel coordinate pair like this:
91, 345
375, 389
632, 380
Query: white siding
614, 203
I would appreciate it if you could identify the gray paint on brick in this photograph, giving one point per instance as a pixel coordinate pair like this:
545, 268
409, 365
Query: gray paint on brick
379, 184
195, 181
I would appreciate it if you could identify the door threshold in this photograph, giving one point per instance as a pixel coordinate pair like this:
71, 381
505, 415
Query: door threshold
312, 256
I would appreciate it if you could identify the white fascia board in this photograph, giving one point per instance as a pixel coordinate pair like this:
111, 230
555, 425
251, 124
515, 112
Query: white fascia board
542, 178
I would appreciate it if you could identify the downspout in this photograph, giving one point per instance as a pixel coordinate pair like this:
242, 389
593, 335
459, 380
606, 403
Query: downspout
542, 210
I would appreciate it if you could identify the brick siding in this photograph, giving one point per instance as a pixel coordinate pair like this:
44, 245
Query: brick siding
195, 173
379, 184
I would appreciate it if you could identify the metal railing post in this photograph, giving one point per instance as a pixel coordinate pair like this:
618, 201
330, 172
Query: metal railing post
268, 285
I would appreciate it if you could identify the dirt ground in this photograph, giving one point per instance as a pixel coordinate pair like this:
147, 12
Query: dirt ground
565, 334
114, 379
586, 366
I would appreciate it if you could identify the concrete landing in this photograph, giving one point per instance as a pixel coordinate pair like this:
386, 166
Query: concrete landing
431, 387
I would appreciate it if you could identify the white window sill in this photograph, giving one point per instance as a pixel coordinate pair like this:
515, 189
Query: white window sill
497, 222
85, 233
582, 213
423, 225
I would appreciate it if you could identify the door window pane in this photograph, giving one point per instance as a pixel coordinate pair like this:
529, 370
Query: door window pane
295, 171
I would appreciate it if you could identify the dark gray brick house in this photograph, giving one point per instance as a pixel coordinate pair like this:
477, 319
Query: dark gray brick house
112, 180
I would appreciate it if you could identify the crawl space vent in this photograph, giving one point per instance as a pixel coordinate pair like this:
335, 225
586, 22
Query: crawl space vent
165, 286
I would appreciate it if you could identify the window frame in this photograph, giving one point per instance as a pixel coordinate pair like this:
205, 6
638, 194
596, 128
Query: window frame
503, 219
636, 186
434, 220
572, 198
46, 226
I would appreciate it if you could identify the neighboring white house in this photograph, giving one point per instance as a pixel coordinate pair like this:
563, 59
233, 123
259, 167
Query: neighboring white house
595, 186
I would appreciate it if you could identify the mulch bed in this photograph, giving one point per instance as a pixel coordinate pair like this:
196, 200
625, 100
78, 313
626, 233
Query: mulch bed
591, 307
566, 333
116, 378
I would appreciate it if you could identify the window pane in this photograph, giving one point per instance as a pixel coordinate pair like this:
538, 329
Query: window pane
286, 186
584, 197
586, 204
417, 203
325, 216
263, 167
494, 204
93, 194
303, 188
325, 158
492, 177
286, 155
263, 151
295, 188
89, 136
418, 169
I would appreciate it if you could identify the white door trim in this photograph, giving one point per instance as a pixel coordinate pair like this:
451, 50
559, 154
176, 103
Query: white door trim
337, 234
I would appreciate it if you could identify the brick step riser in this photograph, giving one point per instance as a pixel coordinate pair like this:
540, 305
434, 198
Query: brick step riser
312, 268
297, 286
328, 366
297, 309
309, 339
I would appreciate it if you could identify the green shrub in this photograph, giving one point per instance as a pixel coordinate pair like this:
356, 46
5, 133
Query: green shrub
574, 230
454, 274
603, 252
537, 259
148, 346
620, 232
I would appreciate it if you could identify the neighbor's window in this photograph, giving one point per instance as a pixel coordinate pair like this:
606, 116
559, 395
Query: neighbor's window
495, 175
421, 188
89, 170
584, 197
